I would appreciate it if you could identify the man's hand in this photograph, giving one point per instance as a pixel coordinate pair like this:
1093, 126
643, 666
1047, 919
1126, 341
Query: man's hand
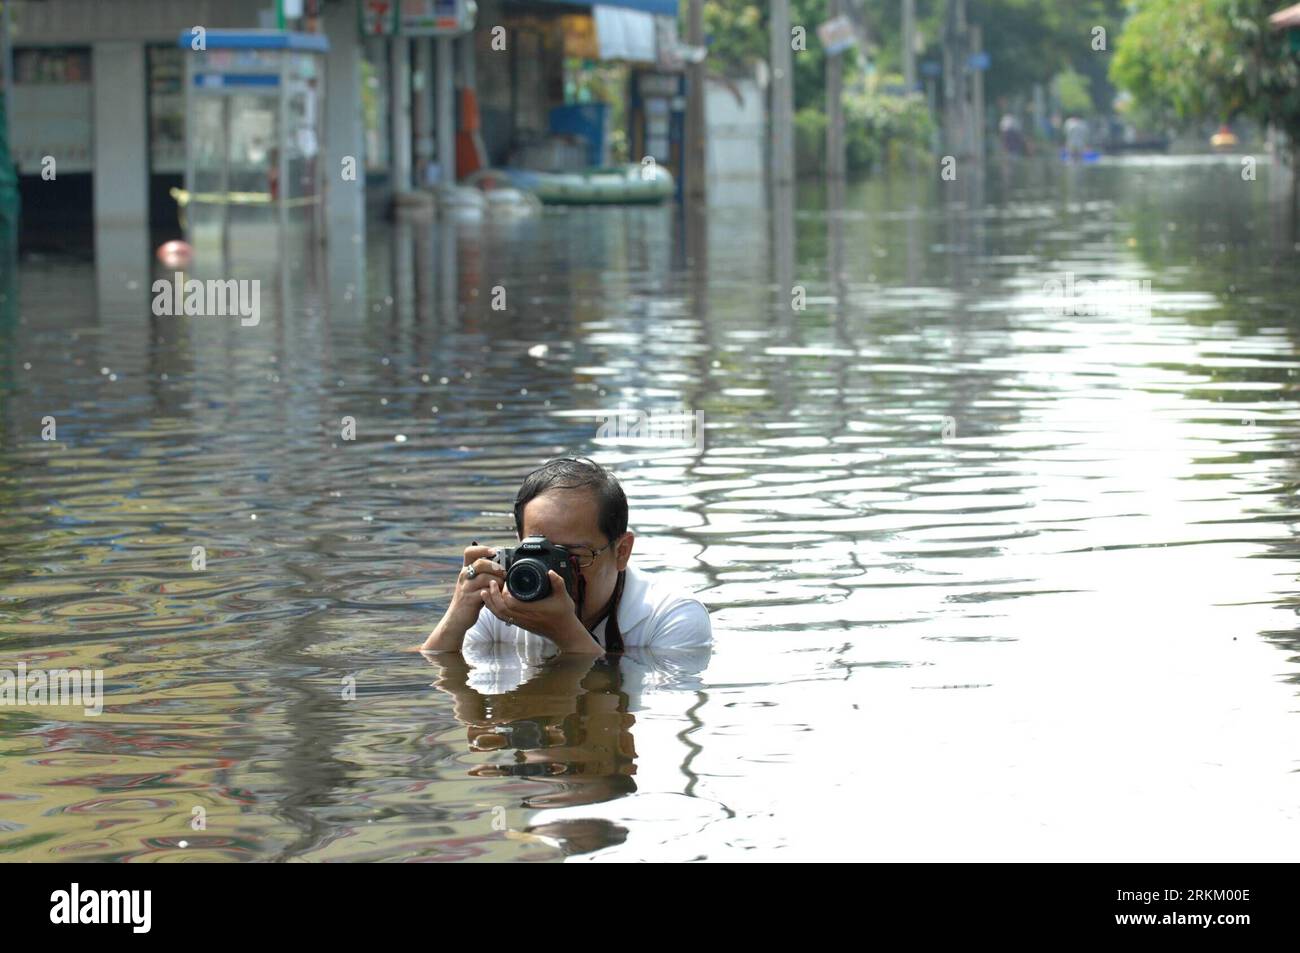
554, 618
466, 601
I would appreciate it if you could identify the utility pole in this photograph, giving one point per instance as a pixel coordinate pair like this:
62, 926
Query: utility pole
782, 95
835, 105
977, 93
400, 110
423, 107
444, 99
955, 46
8, 172
909, 45
7, 67
695, 132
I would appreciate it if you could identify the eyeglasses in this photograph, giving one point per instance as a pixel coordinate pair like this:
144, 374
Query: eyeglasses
584, 557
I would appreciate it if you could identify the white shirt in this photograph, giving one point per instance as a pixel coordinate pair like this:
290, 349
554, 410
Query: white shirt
650, 615
497, 668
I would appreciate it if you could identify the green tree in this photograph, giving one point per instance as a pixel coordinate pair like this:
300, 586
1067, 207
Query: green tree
1028, 41
738, 37
737, 34
1211, 59
1072, 89
1031, 41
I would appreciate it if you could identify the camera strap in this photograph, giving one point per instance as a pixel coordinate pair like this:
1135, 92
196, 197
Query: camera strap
613, 635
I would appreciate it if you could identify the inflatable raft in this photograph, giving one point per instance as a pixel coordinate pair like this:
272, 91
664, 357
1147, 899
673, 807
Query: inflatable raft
623, 185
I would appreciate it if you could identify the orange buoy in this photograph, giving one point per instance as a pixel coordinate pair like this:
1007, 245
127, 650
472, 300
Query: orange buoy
1224, 138
175, 254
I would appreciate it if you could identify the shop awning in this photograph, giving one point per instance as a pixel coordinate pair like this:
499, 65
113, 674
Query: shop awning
661, 8
623, 34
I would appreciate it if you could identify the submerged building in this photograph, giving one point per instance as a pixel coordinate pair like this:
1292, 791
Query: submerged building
98, 121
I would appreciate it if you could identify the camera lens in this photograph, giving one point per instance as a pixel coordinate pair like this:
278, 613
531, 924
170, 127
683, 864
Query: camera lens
527, 581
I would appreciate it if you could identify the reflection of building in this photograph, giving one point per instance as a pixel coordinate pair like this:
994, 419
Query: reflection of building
99, 94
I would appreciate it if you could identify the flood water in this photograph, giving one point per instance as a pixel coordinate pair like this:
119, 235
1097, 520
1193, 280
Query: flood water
993, 574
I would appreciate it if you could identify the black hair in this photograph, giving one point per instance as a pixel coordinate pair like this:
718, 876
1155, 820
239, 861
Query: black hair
582, 473
577, 473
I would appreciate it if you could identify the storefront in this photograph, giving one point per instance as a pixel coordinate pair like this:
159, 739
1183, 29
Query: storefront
519, 72
51, 124
566, 92
98, 117
165, 65
97, 124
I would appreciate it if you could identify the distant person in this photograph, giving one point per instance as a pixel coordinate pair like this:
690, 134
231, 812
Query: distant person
1076, 137
1013, 140
580, 506
273, 173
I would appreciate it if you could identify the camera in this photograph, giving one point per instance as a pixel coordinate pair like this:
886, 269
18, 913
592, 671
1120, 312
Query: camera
526, 566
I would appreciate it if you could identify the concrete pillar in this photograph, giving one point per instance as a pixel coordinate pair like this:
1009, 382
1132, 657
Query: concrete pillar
955, 86
445, 93
375, 51
782, 91
345, 199
399, 103
977, 95
121, 136
423, 106
909, 45
835, 153
121, 178
696, 80
465, 59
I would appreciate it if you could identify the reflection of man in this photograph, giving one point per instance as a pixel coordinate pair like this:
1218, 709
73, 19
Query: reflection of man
563, 724
568, 718
589, 749
579, 505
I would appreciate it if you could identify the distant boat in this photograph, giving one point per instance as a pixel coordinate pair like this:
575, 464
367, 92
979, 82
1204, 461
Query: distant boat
621, 185
1087, 155
1223, 140
491, 191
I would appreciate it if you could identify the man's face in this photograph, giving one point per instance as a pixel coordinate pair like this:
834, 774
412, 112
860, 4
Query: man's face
569, 518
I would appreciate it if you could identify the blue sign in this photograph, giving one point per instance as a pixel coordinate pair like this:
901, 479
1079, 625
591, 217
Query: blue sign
224, 80
978, 61
252, 40
931, 68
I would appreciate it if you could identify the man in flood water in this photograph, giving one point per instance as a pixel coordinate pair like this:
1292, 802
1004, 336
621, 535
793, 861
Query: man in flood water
579, 505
